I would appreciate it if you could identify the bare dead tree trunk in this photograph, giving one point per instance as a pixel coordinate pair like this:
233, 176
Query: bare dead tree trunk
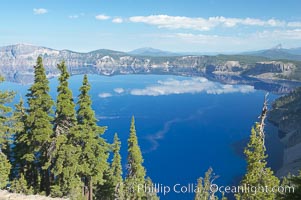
262, 118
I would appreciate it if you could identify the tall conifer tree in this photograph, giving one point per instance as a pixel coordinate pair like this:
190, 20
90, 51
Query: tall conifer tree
292, 188
258, 174
116, 169
94, 153
65, 152
38, 127
135, 172
113, 185
20, 146
5, 131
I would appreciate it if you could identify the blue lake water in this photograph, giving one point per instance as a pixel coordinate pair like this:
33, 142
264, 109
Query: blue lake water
185, 125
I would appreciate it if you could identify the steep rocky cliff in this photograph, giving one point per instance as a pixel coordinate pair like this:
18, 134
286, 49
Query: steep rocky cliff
286, 115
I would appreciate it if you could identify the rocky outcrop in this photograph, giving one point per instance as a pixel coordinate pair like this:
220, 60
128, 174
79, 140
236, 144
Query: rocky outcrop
228, 67
286, 115
272, 67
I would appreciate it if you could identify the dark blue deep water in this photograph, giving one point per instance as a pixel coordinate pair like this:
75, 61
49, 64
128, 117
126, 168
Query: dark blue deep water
184, 125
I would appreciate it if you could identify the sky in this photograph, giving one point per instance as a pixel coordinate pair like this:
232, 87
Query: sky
171, 25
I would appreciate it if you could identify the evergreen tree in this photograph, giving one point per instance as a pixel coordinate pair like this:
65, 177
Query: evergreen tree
19, 185
258, 174
292, 188
116, 169
113, 185
151, 193
94, 153
38, 130
135, 172
5, 134
204, 190
5, 167
20, 147
106, 190
64, 151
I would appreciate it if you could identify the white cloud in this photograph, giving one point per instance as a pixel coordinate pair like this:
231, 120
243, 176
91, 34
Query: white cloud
119, 90
294, 34
220, 43
102, 17
174, 22
294, 24
202, 24
275, 23
40, 11
105, 95
206, 39
73, 16
194, 85
117, 20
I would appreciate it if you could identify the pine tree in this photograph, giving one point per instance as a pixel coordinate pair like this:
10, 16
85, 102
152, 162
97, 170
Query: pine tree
136, 172
20, 147
292, 188
204, 190
116, 169
19, 185
5, 135
64, 151
258, 174
5, 167
94, 153
150, 194
38, 127
113, 185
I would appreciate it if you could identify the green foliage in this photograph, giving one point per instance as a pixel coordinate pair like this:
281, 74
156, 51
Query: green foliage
292, 188
106, 190
20, 145
113, 185
135, 172
150, 194
116, 167
20, 186
66, 156
64, 151
4, 170
38, 130
5, 134
65, 117
94, 149
292, 99
5, 119
204, 191
258, 174
56, 191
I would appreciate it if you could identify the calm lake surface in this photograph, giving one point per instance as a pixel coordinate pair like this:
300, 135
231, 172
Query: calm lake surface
184, 125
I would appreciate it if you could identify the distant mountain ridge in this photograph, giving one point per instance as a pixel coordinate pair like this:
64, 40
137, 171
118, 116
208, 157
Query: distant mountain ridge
17, 61
278, 52
148, 51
